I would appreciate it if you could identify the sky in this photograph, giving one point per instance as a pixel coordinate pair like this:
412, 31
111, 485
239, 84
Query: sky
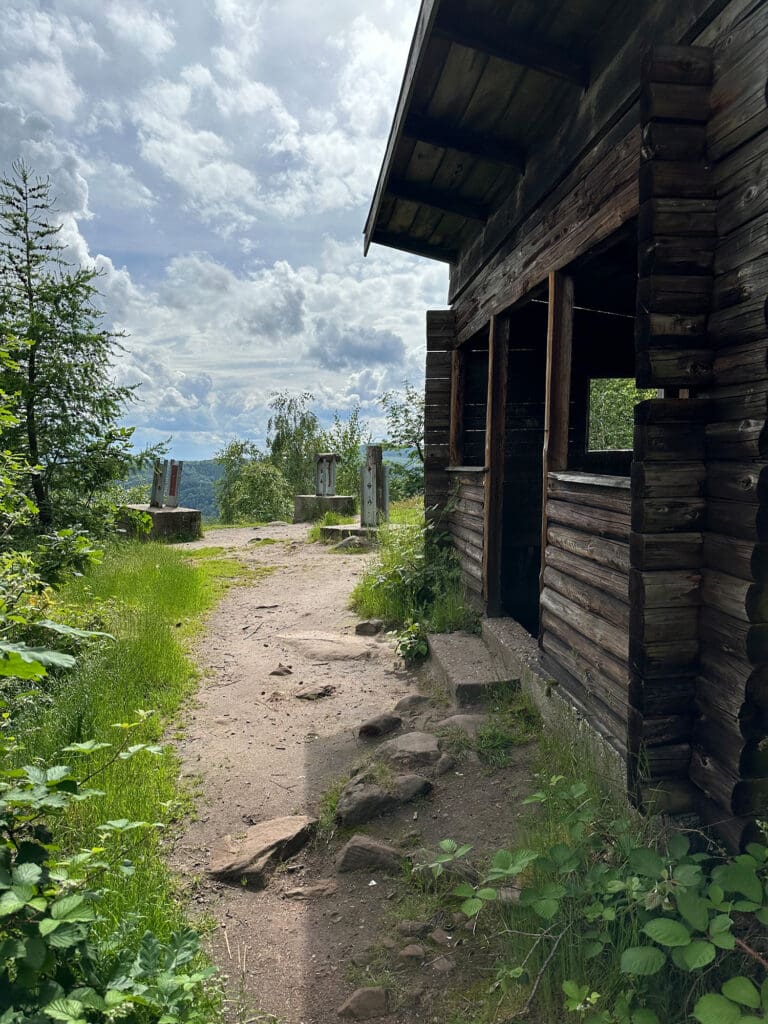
215, 161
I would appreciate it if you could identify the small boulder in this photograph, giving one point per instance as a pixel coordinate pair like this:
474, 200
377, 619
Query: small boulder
361, 801
411, 750
369, 627
470, 725
413, 702
408, 787
264, 844
440, 937
325, 887
379, 726
412, 953
366, 1004
444, 765
315, 692
363, 853
443, 965
413, 928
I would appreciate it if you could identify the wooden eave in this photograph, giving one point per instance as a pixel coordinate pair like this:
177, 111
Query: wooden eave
497, 104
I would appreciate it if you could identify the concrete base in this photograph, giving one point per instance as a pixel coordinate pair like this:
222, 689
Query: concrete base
331, 534
172, 523
308, 508
466, 667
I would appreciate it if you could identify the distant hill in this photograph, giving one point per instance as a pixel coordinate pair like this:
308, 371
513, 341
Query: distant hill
199, 476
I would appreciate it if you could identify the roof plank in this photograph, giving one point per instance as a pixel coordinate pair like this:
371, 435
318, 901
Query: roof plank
523, 48
479, 144
414, 246
426, 195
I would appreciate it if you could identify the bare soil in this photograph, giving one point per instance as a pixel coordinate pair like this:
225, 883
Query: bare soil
258, 752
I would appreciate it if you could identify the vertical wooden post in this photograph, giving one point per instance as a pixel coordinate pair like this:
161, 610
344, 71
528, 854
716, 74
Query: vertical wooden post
558, 387
498, 361
458, 381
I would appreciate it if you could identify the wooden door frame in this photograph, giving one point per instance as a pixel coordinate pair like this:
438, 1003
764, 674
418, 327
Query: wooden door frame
498, 365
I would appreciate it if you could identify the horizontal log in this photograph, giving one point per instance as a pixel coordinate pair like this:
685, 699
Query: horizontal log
747, 243
673, 293
666, 101
725, 593
660, 626
713, 779
467, 551
660, 368
613, 499
674, 442
470, 568
738, 299
737, 481
470, 508
584, 570
663, 659
679, 588
738, 94
727, 671
662, 141
671, 412
587, 674
743, 364
667, 762
686, 256
659, 730
662, 480
601, 522
728, 554
722, 738
670, 695
681, 179
609, 553
745, 519
738, 440
588, 597
750, 797
747, 401
473, 537
668, 796
670, 330
684, 65
673, 216
471, 523
713, 699
652, 551
663, 515
599, 632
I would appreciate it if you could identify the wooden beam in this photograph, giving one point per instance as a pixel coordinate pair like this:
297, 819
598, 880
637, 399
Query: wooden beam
558, 387
482, 145
458, 382
415, 246
498, 361
497, 39
425, 195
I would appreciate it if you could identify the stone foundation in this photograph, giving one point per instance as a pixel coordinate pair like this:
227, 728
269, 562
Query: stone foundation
172, 523
308, 508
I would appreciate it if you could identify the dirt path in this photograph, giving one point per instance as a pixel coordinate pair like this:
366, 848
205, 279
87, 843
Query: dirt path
260, 753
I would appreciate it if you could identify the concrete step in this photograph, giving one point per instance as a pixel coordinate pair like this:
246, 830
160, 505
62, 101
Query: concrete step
510, 643
466, 668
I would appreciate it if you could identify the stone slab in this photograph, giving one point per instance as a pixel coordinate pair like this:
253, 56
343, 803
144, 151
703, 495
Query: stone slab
170, 523
466, 667
249, 858
308, 508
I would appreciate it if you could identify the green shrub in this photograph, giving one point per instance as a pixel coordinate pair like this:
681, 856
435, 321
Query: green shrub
328, 519
414, 578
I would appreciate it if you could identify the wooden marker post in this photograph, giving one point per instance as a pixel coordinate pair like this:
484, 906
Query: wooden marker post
174, 484
158, 484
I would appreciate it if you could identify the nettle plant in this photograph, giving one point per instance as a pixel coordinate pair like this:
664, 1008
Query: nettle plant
674, 934
54, 963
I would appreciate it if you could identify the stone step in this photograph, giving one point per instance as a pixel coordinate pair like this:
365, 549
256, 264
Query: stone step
510, 643
466, 668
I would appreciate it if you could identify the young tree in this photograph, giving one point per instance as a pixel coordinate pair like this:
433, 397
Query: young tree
251, 487
294, 438
404, 411
346, 438
68, 406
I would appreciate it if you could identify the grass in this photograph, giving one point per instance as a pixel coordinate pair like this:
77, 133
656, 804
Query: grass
329, 519
413, 578
151, 597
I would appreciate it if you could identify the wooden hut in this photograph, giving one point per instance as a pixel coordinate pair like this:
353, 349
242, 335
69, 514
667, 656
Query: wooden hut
596, 175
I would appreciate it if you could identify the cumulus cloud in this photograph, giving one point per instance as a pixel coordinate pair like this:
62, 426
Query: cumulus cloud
214, 163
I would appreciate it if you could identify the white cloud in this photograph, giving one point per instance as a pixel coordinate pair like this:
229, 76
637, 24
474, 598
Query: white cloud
44, 85
145, 30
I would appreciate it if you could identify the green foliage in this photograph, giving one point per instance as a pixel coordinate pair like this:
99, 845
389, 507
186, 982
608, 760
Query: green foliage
346, 438
631, 932
328, 519
415, 578
411, 642
611, 412
250, 488
293, 439
66, 405
53, 966
404, 411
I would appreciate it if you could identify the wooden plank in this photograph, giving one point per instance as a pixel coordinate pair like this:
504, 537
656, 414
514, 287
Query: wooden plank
415, 246
498, 356
557, 385
478, 144
594, 629
652, 551
458, 384
609, 553
610, 580
607, 607
592, 521
664, 515
426, 195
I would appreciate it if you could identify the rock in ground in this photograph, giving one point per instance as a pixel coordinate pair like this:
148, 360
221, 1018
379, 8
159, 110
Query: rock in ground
413, 702
325, 887
412, 952
379, 726
365, 1004
411, 750
362, 800
414, 928
264, 844
315, 692
369, 627
468, 724
363, 853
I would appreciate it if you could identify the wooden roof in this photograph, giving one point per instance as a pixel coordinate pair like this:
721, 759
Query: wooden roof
487, 84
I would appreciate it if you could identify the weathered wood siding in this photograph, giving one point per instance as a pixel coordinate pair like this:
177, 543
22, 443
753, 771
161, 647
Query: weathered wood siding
585, 597
466, 519
441, 331
729, 763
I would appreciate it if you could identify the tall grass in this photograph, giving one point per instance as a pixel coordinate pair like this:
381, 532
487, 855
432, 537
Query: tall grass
414, 577
151, 598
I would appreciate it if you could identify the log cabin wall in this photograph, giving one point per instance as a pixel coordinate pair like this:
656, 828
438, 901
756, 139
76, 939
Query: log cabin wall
728, 761
441, 330
585, 597
466, 525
